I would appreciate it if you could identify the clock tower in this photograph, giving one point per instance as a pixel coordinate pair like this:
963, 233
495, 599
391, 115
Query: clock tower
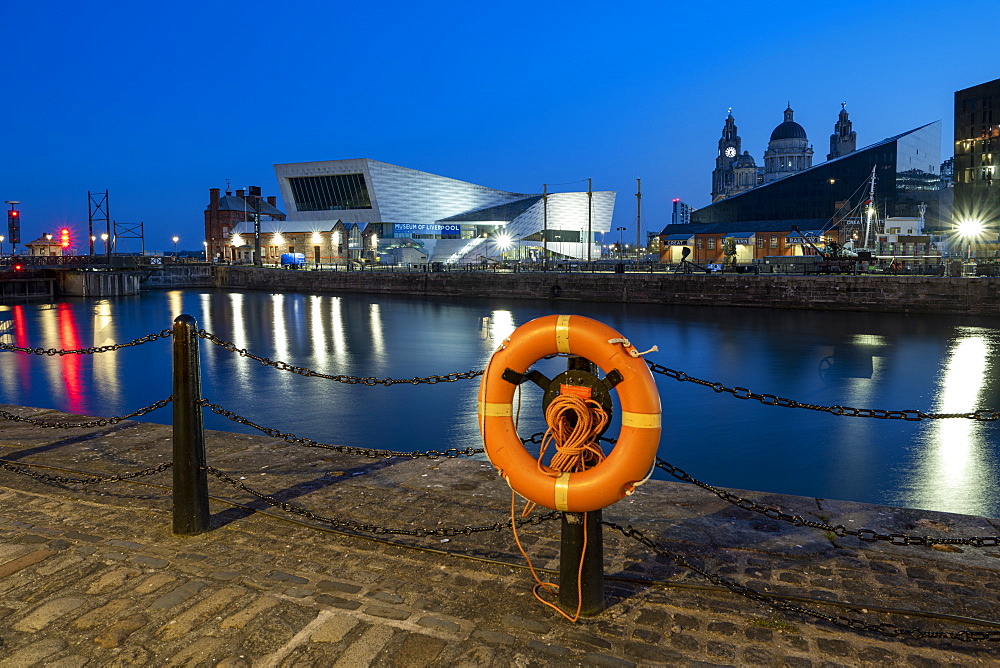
723, 179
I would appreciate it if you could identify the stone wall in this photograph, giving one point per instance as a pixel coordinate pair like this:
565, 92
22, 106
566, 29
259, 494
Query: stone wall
917, 294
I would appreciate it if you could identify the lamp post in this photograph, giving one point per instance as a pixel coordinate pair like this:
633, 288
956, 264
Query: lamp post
620, 230
969, 229
175, 248
104, 240
1, 244
13, 218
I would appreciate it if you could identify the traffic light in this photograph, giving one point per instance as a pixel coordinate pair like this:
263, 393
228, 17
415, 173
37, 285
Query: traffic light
18, 266
14, 226
64, 239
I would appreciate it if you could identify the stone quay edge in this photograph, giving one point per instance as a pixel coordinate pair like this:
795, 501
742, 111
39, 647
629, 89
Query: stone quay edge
90, 574
900, 294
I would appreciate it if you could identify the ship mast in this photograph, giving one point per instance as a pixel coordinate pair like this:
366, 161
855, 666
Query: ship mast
869, 240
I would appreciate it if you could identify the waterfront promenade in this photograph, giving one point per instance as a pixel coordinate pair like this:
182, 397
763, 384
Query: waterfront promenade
90, 574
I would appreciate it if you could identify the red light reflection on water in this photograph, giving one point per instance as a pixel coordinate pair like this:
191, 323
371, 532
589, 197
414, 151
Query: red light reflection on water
20, 332
69, 339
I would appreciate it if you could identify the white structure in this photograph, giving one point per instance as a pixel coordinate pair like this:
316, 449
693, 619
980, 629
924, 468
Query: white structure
452, 221
788, 152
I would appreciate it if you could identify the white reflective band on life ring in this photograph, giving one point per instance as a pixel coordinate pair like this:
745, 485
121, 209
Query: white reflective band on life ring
495, 410
562, 491
641, 420
562, 334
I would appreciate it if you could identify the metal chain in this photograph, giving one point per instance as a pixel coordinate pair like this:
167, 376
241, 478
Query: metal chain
350, 380
888, 630
839, 530
9, 466
162, 334
371, 453
102, 422
376, 528
982, 415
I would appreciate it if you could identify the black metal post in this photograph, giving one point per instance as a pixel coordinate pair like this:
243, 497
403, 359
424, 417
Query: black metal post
190, 478
589, 595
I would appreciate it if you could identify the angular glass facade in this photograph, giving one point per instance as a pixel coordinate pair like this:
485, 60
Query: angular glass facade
338, 192
906, 170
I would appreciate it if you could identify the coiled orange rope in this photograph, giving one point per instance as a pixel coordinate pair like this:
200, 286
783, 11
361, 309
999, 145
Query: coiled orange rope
574, 424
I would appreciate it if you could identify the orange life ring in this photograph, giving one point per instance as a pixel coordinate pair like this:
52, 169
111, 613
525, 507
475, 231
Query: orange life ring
630, 461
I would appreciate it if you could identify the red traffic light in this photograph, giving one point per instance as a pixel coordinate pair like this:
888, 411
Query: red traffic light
64, 237
13, 213
18, 267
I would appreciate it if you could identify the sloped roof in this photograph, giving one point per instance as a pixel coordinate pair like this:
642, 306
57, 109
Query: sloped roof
234, 203
745, 227
506, 212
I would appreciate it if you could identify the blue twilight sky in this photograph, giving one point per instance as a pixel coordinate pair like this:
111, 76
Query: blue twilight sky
158, 102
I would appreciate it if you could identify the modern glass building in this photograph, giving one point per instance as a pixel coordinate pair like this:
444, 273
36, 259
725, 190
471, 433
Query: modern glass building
453, 221
906, 171
977, 138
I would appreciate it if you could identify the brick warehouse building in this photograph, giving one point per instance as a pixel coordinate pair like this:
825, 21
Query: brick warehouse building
224, 214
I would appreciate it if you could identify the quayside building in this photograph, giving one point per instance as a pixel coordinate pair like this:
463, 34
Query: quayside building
820, 200
363, 209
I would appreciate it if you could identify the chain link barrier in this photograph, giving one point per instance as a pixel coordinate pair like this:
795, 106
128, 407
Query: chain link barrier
339, 378
350, 525
162, 334
101, 422
839, 530
371, 453
7, 465
981, 415
854, 624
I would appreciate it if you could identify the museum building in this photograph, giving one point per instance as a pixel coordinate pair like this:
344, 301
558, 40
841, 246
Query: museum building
362, 209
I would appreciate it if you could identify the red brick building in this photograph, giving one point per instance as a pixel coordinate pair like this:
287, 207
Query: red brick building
225, 212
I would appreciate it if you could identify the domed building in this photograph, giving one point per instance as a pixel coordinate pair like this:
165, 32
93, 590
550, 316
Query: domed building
788, 151
745, 173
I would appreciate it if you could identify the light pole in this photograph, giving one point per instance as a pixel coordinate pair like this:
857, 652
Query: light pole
620, 230
1, 244
175, 248
104, 240
13, 224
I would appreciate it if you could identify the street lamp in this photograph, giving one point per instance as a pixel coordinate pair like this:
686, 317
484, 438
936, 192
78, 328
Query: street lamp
969, 229
620, 230
1, 244
104, 240
175, 248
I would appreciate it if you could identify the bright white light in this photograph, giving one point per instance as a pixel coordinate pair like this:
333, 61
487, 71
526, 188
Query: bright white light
316, 238
374, 241
237, 240
503, 240
278, 239
970, 227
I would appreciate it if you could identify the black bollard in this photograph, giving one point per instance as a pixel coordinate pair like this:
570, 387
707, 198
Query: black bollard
190, 479
589, 595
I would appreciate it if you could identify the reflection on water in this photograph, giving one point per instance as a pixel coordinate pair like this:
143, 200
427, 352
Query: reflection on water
865, 360
954, 463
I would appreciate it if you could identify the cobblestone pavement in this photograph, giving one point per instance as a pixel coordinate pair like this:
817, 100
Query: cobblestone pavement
92, 575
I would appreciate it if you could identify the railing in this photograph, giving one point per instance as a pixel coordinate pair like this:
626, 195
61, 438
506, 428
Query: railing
191, 471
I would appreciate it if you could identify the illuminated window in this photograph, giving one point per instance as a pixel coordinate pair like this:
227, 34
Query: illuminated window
774, 242
711, 243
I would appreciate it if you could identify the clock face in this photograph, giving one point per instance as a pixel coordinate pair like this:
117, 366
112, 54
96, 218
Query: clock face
730, 152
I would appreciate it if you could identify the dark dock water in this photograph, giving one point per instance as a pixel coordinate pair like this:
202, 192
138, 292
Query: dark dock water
932, 363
